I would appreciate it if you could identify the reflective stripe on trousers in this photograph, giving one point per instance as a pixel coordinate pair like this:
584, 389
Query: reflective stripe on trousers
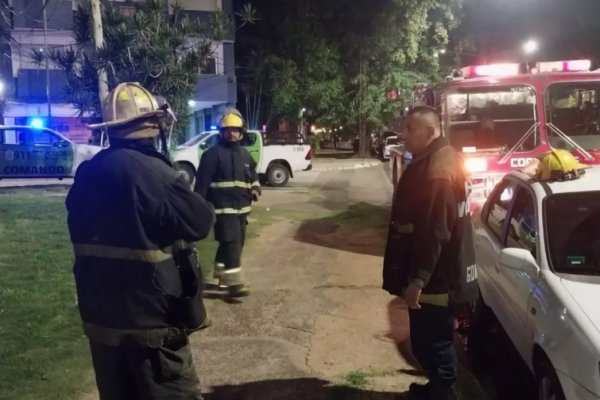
233, 211
123, 253
231, 184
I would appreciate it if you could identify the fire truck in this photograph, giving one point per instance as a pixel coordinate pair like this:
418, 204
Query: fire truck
500, 117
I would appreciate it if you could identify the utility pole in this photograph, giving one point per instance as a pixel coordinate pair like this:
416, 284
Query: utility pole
47, 57
362, 120
99, 40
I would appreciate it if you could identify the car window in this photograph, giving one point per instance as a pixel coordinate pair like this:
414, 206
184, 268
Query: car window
522, 227
211, 141
44, 138
498, 206
12, 136
573, 232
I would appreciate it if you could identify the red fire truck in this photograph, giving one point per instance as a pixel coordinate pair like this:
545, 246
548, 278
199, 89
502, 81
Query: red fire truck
500, 118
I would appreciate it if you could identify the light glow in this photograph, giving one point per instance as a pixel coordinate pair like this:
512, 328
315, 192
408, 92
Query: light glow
490, 70
473, 165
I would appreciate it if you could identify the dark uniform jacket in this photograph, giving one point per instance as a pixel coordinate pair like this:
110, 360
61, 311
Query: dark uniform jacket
430, 241
226, 178
126, 210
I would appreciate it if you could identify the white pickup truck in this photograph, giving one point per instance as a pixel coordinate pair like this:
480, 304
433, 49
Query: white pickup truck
276, 163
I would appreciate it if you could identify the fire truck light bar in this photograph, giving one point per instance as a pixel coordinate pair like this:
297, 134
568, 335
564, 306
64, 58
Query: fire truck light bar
564, 66
491, 70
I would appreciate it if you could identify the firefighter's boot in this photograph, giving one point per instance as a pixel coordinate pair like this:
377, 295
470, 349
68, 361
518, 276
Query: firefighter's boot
218, 273
232, 278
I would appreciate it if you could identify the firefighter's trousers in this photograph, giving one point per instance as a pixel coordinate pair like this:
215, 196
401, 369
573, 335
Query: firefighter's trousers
129, 372
230, 232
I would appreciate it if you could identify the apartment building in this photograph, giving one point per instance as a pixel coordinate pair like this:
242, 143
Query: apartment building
37, 25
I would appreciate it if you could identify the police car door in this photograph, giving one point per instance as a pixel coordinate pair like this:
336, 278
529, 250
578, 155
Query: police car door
253, 145
54, 154
15, 157
517, 284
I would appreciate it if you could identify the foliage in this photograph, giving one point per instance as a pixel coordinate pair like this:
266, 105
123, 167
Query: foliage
164, 51
339, 59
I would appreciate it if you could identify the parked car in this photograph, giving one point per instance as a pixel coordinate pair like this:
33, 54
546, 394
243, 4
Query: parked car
31, 152
538, 257
276, 158
390, 141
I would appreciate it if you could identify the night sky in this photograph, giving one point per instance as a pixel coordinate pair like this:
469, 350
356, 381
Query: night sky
565, 29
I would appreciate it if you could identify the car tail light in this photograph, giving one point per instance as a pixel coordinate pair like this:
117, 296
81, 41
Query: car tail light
310, 154
476, 165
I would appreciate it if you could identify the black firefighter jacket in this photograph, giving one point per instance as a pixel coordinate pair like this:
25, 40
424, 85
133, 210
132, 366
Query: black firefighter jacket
430, 238
226, 178
126, 210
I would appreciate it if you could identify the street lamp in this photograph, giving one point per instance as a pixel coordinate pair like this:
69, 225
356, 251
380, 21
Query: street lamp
529, 47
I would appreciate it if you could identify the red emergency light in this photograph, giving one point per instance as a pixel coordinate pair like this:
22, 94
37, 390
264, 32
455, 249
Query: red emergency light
491, 70
564, 66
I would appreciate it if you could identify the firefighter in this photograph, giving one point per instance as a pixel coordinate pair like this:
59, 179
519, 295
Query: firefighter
227, 178
132, 220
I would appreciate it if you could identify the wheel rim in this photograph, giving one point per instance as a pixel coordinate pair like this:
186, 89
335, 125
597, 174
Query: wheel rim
546, 391
278, 176
186, 175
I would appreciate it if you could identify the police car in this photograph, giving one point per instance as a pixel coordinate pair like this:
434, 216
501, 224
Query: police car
32, 152
538, 257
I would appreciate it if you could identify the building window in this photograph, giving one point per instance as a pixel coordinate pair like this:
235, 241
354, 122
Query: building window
210, 68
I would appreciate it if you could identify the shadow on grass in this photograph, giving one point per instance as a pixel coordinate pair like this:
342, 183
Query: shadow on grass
296, 389
360, 229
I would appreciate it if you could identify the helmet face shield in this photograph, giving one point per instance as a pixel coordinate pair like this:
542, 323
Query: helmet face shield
232, 126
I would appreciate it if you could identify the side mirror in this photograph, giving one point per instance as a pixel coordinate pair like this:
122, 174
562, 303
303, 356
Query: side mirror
203, 145
61, 143
518, 259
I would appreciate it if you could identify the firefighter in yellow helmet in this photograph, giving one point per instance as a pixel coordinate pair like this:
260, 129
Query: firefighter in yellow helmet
132, 219
227, 178
556, 165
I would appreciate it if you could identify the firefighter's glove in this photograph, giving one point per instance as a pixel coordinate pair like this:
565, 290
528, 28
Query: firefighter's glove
255, 195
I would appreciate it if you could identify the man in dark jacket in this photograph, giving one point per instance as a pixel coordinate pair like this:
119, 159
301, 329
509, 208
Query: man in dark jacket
227, 178
426, 247
132, 221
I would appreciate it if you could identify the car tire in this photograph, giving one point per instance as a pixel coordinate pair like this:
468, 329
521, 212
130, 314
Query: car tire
482, 321
187, 172
547, 383
278, 175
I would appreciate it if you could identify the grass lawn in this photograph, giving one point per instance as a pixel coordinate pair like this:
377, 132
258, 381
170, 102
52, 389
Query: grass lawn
43, 352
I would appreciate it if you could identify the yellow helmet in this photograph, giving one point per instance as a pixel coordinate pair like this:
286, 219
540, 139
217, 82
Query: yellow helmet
559, 165
130, 112
232, 119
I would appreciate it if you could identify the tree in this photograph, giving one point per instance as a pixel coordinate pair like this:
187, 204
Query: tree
339, 59
162, 49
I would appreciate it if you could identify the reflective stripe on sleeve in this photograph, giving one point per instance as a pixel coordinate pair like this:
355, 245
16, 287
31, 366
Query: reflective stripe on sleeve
255, 184
123, 253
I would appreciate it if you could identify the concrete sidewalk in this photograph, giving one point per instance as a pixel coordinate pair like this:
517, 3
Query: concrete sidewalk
339, 164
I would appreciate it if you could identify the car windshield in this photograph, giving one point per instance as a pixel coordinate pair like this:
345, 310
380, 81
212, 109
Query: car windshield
491, 118
573, 231
574, 115
391, 140
196, 139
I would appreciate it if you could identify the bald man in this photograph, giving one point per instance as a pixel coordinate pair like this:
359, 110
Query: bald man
428, 245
